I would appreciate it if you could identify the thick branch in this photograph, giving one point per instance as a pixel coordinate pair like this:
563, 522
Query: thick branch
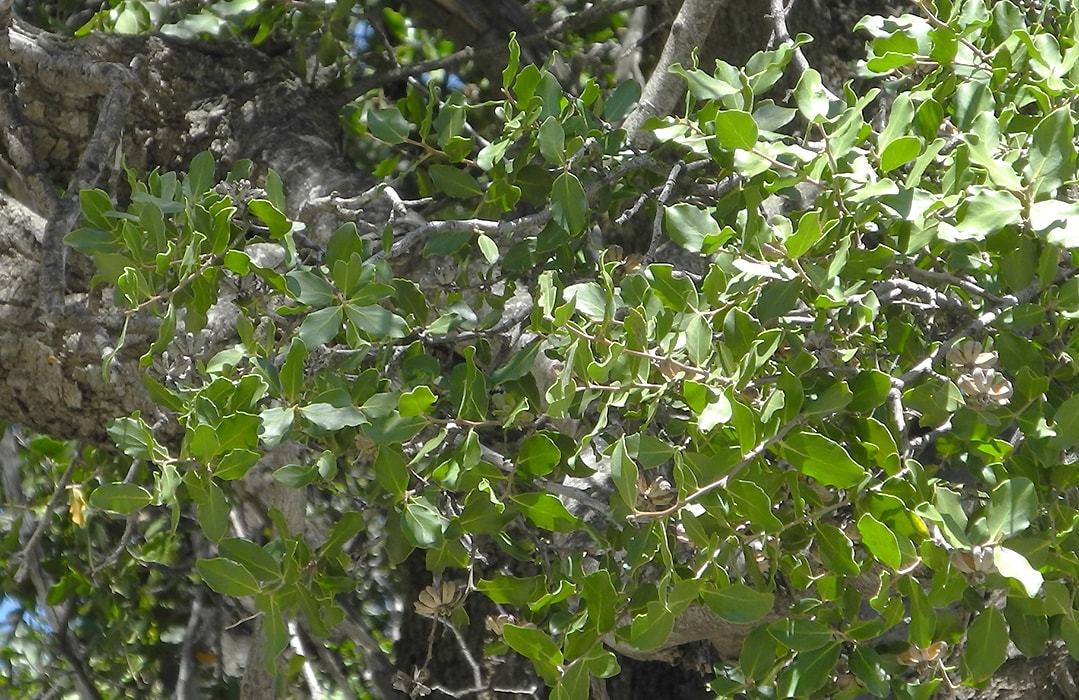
689, 30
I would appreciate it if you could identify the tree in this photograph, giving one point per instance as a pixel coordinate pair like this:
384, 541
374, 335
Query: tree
355, 384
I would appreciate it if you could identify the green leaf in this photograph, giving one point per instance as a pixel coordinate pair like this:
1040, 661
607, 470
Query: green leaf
350, 524
652, 629
688, 225
488, 248
292, 374
119, 497
986, 212
900, 152
1015, 566
704, 86
751, 501
388, 125
422, 524
416, 402
822, 459
1052, 153
201, 175
546, 511
624, 473
321, 327
880, 541
469, 388
295, 476
393, 428
518, 366
96, 207
1011, 507
212, 511
376, 322
309, 288
648, 450
227, 577
253, 558
455, 182
923, 617
810, 671
276, 221
800, 634
391, 470
534, 644
738, 602
275, 629
736, 129
836, 550
133, 437
512, 590
552, 141
811, 97
866, 664
833, 399
987, 644
759, 654
569, 205
1029, 631
236, 463
330, 417
622, 100
538, 455
276, 424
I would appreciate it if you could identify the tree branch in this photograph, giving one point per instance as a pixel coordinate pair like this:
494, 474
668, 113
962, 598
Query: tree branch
689, 30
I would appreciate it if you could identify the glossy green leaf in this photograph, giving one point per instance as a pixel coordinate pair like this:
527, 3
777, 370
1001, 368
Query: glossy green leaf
329, 417
739, 603
569, 205
455, 182
880, 540
811, 97
822, 459
759, 654
421, 523
119, 497
1052, 154
736, 129
652, 629
837, 551
622, 100
227, 577
534, 644
900, 152
1014, 565
391, 470
538, 455
689, 225
552, 141
987, 644
800, 634
1029, 631
253, 558
866, 664
546, 511
1011, 507
388, 125
296, 475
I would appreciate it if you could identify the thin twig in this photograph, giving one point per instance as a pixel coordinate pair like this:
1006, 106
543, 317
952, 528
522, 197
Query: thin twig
43, 520
725, 479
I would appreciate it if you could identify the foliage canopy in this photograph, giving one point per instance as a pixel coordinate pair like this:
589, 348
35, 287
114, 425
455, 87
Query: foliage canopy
824, 396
